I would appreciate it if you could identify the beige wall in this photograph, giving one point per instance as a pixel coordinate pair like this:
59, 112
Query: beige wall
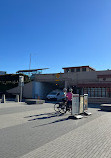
74, 77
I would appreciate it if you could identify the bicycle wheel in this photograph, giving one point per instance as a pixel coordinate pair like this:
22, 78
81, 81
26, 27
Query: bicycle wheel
57, 107
63, 109
69, 110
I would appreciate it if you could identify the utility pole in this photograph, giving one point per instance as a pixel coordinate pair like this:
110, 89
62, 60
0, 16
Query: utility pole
21, 84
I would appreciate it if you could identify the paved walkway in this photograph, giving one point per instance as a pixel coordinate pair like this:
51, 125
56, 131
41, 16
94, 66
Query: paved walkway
42, 133
90, 140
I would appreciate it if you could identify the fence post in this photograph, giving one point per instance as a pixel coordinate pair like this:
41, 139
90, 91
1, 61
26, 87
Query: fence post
3, 98
17, 98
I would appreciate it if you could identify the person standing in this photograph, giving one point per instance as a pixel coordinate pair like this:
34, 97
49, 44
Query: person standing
65, 92
69, 98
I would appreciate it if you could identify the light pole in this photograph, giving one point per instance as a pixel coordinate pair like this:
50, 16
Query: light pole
21, 84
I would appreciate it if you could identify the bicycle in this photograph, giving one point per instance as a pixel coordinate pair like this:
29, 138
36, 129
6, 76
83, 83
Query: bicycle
62, 107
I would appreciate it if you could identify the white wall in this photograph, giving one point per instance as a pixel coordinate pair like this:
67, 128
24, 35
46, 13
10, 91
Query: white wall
41, 89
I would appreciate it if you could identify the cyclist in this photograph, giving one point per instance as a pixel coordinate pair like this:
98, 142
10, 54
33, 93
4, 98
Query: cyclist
65, 92
69, 99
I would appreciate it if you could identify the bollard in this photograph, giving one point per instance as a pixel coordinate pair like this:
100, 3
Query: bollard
81, 107
86, 105
17, 98
3, 98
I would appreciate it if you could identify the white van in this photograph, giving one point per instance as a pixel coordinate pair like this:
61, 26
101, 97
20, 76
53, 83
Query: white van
56, 95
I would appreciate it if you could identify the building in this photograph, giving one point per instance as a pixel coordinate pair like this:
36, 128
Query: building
3, 72
83, 79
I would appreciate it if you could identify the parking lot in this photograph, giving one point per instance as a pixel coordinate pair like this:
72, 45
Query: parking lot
38, 131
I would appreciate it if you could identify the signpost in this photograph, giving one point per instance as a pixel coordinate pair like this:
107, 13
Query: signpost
76, 106
21, 84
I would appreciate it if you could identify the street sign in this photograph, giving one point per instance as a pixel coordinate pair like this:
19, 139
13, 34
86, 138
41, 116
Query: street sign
57, 77
21, 81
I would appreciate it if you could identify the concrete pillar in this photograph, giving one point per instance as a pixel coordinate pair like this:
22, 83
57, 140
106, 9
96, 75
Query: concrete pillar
66, 84
3, 98
17, 98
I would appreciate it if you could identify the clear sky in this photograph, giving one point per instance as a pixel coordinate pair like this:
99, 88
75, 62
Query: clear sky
57, 33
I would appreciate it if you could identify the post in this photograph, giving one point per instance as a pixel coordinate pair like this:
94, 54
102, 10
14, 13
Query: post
86, 105
81, 110
20, 93
85, 101
21, 83
17, 98
3, 98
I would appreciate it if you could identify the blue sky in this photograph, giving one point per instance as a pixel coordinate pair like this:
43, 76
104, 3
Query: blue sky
57, 33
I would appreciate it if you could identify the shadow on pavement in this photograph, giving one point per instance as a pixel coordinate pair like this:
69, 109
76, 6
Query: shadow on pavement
37, 115
60, 120
49, 115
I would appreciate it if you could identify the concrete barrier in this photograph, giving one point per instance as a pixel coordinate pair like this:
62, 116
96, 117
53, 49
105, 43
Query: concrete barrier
105, 107
17, 98
3, 98
34, 101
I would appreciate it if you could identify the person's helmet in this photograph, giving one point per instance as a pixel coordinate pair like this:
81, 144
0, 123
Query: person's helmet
70, 90
65, 89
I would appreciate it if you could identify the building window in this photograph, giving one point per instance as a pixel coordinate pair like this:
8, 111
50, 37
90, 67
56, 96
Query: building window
108, 92
92, 92
84, 69
96, 92
67, 70
72, 70
103, 92
99, 92
77, 69
89, 92
104, 79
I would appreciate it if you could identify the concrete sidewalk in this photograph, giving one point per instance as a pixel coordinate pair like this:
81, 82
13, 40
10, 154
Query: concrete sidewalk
36, 131
90, 140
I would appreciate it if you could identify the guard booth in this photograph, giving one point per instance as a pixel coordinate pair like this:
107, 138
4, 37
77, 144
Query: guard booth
80, 105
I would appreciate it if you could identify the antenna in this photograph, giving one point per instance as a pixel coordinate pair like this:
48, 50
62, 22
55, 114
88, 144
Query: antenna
30, 62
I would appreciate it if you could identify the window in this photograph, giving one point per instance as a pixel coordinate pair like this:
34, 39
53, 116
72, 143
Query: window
99, 92
103, 92
89, 92
96, 92
77, 69
104, 79
92, 92
84, 69
72, 70
67, 70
